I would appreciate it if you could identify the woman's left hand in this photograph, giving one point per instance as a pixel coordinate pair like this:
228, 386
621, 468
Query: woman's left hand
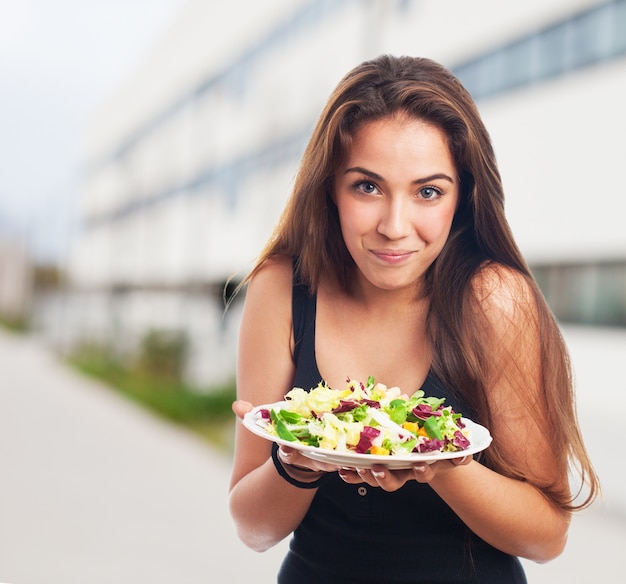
391, 480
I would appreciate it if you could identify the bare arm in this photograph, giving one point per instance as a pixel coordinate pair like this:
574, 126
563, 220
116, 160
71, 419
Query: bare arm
264, 506
511, 515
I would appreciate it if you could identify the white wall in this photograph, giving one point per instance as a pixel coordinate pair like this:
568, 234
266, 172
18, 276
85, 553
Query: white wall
560, 151
553, 140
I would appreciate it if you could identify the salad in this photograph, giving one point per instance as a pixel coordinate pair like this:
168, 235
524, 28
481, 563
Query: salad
366, 419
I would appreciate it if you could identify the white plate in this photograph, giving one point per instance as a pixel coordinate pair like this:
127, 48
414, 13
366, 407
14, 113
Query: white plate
480, 439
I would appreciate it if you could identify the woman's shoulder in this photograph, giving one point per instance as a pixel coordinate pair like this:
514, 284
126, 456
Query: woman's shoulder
266, 318
268, 291
502, 290
272, 276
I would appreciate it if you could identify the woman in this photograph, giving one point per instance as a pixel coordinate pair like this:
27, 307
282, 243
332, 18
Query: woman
393, 258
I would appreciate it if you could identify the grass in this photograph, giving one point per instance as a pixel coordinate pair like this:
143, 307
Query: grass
204, 411
15, 324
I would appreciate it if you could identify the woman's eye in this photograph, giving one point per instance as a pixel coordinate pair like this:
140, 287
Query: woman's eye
366, 187
429, 193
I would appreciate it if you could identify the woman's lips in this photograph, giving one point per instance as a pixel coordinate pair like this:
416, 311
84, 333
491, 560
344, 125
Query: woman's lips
392, 256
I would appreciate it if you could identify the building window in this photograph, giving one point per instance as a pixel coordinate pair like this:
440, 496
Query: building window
585, 293
578, 41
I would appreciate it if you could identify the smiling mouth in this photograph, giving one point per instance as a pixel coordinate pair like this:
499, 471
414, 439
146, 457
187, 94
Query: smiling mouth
392, 256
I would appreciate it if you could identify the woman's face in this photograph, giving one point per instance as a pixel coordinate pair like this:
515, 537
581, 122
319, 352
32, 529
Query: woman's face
396, 194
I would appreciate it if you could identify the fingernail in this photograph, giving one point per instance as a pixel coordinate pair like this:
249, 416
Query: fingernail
379, 474
419, 468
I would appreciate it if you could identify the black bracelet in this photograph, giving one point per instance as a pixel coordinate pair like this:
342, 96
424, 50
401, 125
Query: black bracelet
280, 468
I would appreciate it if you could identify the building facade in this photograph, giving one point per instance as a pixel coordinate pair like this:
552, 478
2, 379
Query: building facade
188, 165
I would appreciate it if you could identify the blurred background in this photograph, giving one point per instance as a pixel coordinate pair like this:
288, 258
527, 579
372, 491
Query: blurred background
148, 147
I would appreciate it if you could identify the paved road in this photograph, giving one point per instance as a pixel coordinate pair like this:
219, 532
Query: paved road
95, 490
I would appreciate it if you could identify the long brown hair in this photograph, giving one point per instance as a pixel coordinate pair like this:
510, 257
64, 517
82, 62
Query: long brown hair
309, 231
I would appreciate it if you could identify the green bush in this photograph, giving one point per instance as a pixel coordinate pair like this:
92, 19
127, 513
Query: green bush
163, 353
15, 324
159, 387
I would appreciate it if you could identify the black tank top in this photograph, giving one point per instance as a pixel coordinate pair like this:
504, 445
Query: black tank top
360, 534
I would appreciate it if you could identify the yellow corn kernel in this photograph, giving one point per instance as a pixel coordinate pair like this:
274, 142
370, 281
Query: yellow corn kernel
379, 451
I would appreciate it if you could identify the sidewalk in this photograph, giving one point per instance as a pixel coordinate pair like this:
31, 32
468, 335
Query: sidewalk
94, 490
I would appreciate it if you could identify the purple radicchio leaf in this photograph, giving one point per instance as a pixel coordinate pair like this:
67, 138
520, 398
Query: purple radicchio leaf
430, 445
372, 403
368, 434
424, 411
345, 405
460, 440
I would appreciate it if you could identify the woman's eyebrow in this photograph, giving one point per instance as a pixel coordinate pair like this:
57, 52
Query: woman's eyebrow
417, 181
432, 177
364, 171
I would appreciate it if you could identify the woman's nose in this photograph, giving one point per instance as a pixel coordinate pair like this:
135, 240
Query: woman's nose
394, 221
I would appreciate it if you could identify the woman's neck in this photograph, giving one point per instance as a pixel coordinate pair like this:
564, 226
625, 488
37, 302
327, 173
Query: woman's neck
394, 301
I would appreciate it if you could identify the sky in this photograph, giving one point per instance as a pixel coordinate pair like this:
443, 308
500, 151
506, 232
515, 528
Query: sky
58, 60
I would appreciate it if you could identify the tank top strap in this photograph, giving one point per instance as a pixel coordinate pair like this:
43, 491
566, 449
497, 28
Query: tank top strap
303, 311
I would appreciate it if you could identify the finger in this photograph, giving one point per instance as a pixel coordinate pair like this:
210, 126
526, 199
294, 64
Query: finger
366, 476
422, 473
379, 473
241, 407
388, 480
287, 455
349, 476
292, 457
462, 461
